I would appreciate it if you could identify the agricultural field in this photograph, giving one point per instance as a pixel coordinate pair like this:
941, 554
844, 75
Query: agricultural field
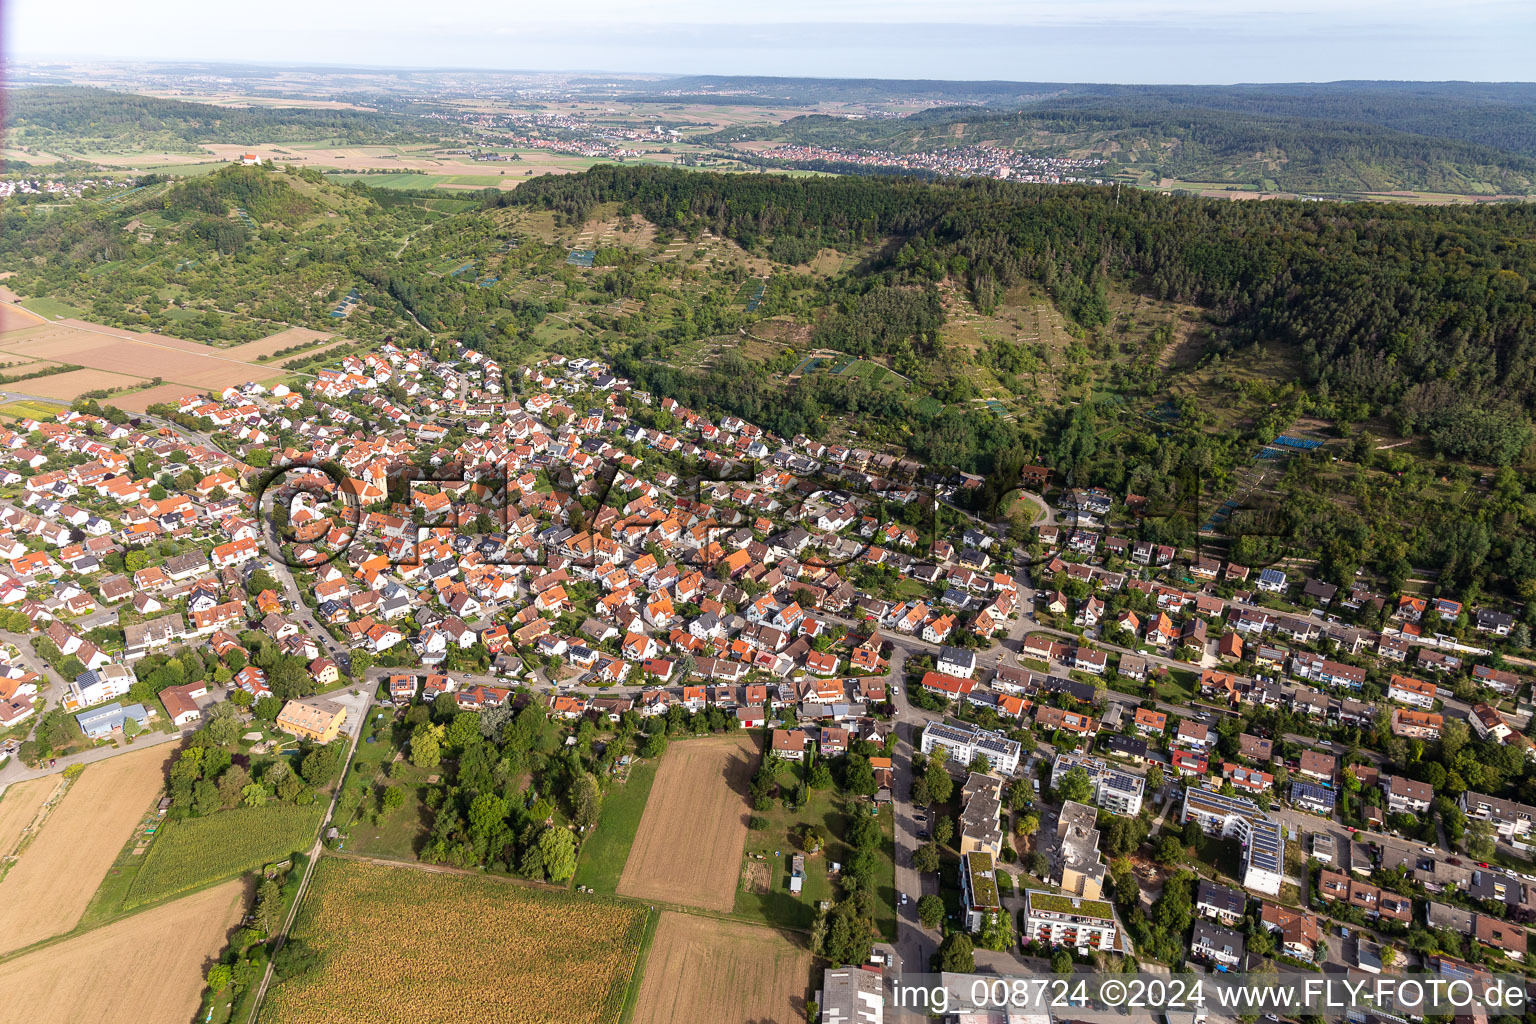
724, 972
193, 852
19, 807
116, 359
49, 887
30, 409
146, 968
688, 847
407, 944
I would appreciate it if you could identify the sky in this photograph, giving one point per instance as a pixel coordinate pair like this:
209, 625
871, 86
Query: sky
1130, 41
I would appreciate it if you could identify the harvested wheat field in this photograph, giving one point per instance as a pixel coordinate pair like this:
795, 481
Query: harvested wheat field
403, 943
291, 338
141, 400
688, 847
19, 805
74, 383
148, 967
117, 358
48, 889
14, 318
723, 972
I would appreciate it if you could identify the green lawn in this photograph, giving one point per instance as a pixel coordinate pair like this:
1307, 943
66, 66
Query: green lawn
51, 308
401, 179
399, 835
831, 810
605, 851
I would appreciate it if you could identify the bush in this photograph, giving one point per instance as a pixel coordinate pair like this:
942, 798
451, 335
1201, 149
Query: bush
757, 823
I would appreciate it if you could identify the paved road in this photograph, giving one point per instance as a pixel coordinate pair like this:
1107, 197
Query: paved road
914, 943
12, 396
14, 771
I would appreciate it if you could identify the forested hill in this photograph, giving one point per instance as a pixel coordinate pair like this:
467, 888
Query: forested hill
81, 116
1281, 151
1423, 312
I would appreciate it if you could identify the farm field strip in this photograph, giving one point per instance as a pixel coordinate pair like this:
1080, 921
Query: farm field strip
689, 845
114, 358
195, 851
724, 972
400, 943
50, 886
144, 969
19, 807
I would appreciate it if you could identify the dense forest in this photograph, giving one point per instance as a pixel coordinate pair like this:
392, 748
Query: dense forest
1425, 313
1497, 114
76, 114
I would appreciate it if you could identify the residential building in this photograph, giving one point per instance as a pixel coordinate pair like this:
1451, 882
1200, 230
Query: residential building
96, 685
978, 889
1407, 690
1078, 868
1416, 725
1509, 819
181, 702
1235, 816
99, 723
956, 661
1216, 944
963, 742
1056, 920
1407, 796
1219, 902
1115, 791
313, 718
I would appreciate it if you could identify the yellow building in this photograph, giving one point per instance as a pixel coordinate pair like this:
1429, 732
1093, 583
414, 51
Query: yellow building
315, 719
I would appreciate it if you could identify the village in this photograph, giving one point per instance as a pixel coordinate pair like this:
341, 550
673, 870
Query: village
411, 528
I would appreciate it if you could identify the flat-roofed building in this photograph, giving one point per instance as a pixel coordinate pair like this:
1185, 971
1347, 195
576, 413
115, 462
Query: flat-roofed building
978, 888
1241, 818
980, 815
1116, 791
1078, 869
964, 742
852, 995
1058, 920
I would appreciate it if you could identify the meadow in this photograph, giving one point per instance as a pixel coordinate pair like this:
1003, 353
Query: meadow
604, 851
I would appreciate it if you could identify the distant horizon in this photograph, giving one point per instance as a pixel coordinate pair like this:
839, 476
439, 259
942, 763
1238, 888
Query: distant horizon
1122, 42
23, 59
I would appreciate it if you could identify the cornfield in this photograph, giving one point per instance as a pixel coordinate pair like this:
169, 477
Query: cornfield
400, 945
193, 852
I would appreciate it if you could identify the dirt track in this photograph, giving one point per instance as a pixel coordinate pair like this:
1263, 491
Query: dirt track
145, 968
724, 972
48, 889
688, 847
